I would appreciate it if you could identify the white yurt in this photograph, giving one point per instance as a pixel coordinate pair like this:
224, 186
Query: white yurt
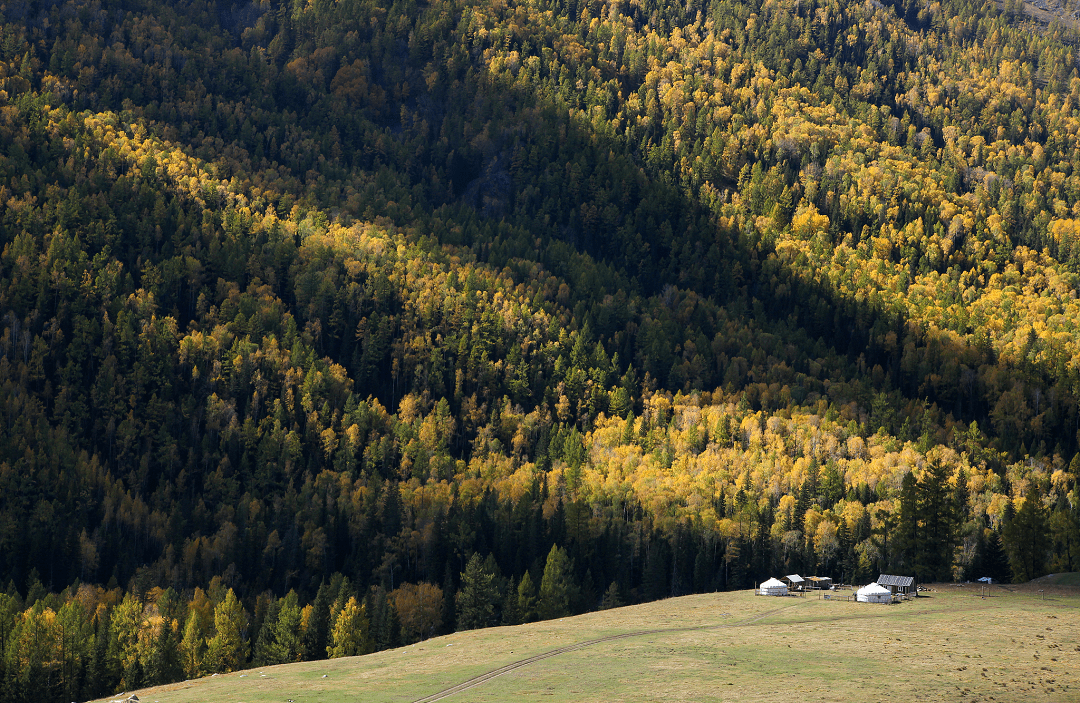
873, 593
773, 587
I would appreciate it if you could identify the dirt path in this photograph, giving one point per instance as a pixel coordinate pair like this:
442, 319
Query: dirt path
482, 678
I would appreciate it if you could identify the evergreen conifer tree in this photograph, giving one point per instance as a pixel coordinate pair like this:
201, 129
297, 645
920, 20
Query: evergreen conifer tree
1025, 540
318, 630
164, 663
906, 540
261, 650
511, 615
384, 623
611, 598
526, 599
995, 563
555, 587
937, 518
476, 598
280, 638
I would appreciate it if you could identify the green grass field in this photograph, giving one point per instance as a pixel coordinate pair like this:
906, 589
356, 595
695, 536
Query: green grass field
953, 645
1070, 579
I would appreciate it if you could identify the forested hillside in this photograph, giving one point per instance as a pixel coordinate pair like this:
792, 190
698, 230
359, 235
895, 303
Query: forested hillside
328, 326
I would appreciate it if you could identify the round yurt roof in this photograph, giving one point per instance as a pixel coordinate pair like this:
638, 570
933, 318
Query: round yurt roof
872, 589
774, 583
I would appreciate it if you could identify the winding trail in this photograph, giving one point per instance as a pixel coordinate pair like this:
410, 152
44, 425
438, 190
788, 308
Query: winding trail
477, 680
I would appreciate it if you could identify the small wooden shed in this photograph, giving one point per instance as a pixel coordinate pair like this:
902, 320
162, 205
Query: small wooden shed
904, 585
794, 582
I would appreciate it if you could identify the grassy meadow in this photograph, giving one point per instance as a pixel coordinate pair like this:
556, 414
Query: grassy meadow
1019, 644
1071, 579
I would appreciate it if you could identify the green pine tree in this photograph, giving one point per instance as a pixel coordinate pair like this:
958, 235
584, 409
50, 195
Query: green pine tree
318, 630
1026, 540
279, 639
526, 599
611, 598
906, 541
476, 598
555, 586
163, 665
511, 615
938, 520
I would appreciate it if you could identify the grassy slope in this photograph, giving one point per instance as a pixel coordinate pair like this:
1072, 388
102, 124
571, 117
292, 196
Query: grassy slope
1069, 579
951, 645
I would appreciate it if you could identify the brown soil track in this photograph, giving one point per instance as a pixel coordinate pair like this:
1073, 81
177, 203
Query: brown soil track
482, 678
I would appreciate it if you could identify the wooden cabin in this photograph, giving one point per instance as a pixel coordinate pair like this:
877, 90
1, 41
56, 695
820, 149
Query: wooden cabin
903, 585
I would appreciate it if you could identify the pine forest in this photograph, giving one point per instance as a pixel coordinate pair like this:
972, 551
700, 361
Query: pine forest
327, 326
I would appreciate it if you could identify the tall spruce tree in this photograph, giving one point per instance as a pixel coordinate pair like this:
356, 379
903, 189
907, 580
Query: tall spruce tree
555, 587
476, 598
317, 632
163, 665
1026, 540
995, 563
511, 614
385, 627
1064, 526
906, 541
526, 599
937, 517
280, 637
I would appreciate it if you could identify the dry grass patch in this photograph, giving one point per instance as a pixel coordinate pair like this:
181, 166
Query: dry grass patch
950, 646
